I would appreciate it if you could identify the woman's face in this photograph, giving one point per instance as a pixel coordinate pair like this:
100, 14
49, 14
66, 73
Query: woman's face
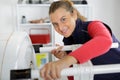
63, 21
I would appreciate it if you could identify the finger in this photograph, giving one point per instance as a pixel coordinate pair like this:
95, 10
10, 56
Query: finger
57, 44
53, 72
58, 54
48, 73
59, 49
48, 77
53, 51
42, 72
58, 73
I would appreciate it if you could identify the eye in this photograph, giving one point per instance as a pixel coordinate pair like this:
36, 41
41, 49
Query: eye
63, 19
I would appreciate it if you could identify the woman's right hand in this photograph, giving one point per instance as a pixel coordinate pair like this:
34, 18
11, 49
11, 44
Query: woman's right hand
52, 70
58, 53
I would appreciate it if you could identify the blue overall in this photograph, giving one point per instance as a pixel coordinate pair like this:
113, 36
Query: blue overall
80, 36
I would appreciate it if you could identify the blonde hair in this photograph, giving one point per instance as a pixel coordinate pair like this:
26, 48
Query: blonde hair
66, 4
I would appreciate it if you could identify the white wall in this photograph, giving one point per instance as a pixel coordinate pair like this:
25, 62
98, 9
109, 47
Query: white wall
117, 19
6, 21
105, 10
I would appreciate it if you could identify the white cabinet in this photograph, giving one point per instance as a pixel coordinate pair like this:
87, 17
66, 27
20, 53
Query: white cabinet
40, 32
32, 12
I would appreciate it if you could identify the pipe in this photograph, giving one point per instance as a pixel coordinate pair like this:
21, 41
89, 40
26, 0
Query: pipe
91, 70
69, 47
101, 69
80, 70
65, 48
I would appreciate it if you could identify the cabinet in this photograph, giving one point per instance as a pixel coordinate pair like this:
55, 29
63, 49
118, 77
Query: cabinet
40, 32
27, 14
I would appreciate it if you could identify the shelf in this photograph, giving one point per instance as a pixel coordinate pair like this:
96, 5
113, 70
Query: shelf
41, 5
48, 44
33, 5
40, 24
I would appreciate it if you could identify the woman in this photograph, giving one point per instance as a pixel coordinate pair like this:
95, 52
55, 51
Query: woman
95, 36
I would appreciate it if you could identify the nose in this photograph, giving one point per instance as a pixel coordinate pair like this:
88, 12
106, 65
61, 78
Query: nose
61, 27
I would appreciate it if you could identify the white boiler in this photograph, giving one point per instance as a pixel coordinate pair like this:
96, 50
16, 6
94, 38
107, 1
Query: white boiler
16, 52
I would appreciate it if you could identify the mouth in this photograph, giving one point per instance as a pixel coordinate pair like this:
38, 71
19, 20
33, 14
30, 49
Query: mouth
65, 31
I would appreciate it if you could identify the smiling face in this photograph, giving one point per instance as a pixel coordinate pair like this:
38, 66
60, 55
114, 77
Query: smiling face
63, 21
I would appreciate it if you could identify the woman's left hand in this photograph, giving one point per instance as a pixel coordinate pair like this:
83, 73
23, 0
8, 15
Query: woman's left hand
52, 70
58, 53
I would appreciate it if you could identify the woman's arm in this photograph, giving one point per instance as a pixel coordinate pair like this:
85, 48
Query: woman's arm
99, 44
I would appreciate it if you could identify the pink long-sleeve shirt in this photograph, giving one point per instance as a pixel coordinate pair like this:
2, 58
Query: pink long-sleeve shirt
99, 44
